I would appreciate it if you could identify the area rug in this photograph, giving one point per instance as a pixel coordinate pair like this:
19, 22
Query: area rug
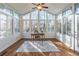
37, 46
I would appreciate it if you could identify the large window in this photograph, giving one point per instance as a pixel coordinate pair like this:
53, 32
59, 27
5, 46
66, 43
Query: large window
34, 15
16, 22
42, 15
64, 25
9, 22
9, 25
67, 26
34, 28
42, 26
27, 16
26, 26
59, 26
51, 25
39, 21
16, 25
59, 23
5, 25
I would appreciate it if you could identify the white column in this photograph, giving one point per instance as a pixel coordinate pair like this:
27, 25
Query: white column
21, 26
30, 23
55, 26
73, 27
46, 22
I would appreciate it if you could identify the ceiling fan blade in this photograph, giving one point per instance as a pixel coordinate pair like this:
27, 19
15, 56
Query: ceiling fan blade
45, 7
34, 8
36, 4
42, 3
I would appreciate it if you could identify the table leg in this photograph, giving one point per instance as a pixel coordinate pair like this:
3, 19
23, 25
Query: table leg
42, 42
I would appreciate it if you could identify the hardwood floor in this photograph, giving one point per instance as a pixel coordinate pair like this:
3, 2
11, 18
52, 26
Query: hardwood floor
65, 51
11, 51
64, 48
41, 54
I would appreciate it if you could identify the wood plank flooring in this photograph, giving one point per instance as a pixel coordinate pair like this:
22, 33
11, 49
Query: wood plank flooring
11, 51
64, 48
41, 54
65, 51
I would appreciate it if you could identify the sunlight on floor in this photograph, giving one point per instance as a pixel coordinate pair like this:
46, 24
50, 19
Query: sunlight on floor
38, 46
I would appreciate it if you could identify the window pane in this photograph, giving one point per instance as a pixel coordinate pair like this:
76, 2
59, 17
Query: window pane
50, 25
41, 14
3, 17
66, 13
64, 25
26, 27
16, 25
69, 24
59, 22
9, 25
27, 16
6, 11
3, 26
45, 16
50, 16
34, 27
16, 15
42, 26
34, 14
77, 8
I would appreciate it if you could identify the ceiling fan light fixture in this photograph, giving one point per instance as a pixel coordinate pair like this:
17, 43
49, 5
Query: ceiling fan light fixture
39, 7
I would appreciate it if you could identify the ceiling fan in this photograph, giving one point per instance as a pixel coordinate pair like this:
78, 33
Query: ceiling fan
39, 6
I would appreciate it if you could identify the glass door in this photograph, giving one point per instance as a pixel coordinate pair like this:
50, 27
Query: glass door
59, 27
77, 32
64, 29
69, 27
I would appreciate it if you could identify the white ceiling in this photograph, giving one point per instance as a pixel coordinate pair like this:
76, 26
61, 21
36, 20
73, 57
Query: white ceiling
23, 8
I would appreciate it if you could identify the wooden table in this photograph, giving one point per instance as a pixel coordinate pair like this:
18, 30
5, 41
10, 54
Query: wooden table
37, 36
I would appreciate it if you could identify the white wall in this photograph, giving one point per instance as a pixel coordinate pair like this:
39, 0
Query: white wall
50, 34
47, 35
27, 35
5, 43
